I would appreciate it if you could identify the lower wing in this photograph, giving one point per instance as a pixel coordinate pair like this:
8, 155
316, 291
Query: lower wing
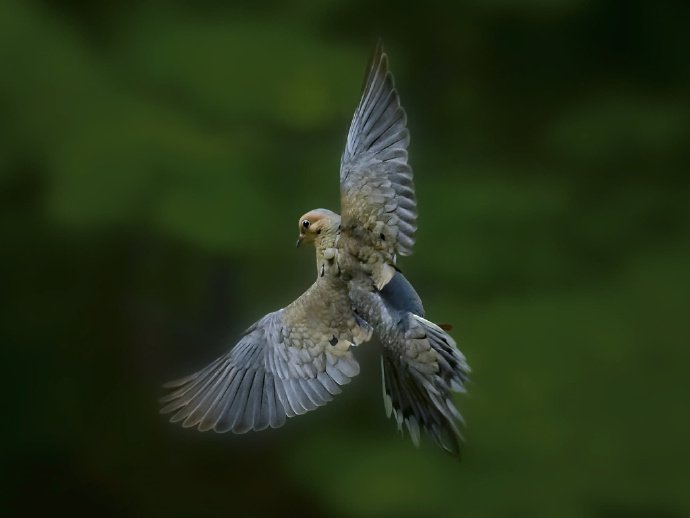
288, 363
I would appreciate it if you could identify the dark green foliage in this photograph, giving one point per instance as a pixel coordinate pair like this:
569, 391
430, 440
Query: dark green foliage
155, 157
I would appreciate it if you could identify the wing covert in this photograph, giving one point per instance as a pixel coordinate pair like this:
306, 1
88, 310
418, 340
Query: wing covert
288, 363
376, 187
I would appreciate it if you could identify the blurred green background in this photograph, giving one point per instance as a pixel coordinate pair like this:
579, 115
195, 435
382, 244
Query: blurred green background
155, 157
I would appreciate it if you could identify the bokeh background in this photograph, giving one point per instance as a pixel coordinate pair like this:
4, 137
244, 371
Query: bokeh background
155, 157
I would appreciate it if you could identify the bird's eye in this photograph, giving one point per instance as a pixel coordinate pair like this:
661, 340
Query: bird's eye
306, 223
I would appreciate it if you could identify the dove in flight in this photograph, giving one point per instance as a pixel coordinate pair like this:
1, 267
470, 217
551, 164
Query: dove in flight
297, 358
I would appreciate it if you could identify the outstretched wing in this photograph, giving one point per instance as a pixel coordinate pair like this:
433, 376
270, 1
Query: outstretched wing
289, 362
377, 193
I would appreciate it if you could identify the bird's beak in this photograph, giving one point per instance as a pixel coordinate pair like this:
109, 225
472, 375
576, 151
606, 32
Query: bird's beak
299, 240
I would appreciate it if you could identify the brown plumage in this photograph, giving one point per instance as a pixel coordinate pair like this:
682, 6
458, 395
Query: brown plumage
297, 358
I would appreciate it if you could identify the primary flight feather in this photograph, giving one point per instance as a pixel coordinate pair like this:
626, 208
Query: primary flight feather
296, 359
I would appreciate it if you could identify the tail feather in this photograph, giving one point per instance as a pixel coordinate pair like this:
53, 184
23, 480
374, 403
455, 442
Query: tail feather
418, 383
421, 364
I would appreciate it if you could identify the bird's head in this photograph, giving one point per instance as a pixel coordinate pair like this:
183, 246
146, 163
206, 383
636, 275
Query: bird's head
316, 225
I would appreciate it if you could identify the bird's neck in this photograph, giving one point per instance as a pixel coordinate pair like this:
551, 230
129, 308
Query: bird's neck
328, 238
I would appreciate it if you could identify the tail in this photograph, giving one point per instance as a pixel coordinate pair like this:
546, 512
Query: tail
421, 363
422, 367
418, 384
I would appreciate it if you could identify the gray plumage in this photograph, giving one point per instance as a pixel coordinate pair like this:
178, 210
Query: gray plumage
296, 359
421, 364
376, 188
288, 363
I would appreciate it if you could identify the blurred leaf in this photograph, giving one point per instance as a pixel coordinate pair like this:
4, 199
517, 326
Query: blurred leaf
618, 125
242, 68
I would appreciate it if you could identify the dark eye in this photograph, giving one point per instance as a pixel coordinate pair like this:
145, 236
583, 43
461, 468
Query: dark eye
306, 223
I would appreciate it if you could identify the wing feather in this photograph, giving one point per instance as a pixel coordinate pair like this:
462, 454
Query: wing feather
284, 365
377, 193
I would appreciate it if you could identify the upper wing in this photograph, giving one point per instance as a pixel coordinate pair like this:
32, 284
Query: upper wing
289, 362
376, 189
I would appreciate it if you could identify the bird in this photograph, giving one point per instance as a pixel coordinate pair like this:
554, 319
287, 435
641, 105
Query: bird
298, 358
